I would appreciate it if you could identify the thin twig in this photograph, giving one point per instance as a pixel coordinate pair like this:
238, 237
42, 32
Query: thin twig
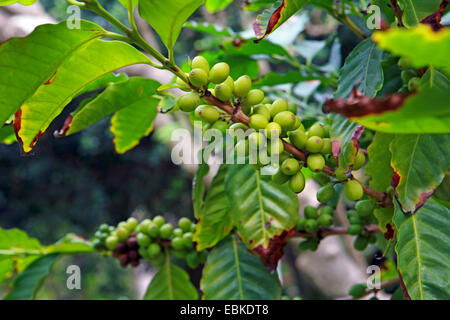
333, 231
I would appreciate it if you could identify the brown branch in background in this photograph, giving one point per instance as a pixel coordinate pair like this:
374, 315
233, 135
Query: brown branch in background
357, 105
333, 231
398, 12
383, 285
434, 19
237, 115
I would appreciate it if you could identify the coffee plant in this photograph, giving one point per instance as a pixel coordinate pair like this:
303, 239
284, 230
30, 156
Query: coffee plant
376, 140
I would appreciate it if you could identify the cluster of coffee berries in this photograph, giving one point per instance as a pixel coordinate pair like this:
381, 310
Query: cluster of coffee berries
409, 75
360, 216
100, 236
130, 241
314, 218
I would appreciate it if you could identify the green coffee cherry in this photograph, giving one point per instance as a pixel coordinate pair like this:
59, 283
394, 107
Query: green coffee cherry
404, 63
122, 233
309, 244
237, 126
255, 96
132, 224
187, 240
301, 222
111, 242
274, 129
351, 213
354, 219
285, 119
364, 208
325, 193
372, 238
278, 106
358, 290
256, 140
185, 224
258, 122
326, 210
158, 260
241, 148
207, 113
166, 231
153, 230
154, 249
290, 166
297, 123
189, 102
143, 240
159, 221
279, 177
314, 144
353, 190
177, 243
315, 162
298, 138
220, 126
177, 232
311, 212
223, 92
360, 243
297, 182
192, 259
407, 75
326, 149
354, 229
325, 220
316, 130
219, 72
242, 86
200, 62
311, 225
340, 174
262, 110
198, 77
275, 147
360, 160
230, 83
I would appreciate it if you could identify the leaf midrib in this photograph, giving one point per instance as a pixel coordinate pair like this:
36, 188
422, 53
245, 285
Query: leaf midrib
263, 213
238, 270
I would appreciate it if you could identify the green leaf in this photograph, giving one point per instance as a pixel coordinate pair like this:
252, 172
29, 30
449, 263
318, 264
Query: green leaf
26, 285
167, 17
198, 187
233, 273
274, 17
70, 244
214, 217
379, 166
86, 65
422, 250
6, 268
18, 241
217, 5
27, 63
171, 283
129, 4
263, 212
363, 69
420, 45
415, 10
384, 217
24, 2
424, 112
443, 191
240, 65
419, 163
274, 78
7, 135
206, 27
247, 47
133, 92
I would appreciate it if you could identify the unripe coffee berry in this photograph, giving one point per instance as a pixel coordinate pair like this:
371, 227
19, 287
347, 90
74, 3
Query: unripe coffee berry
285, 119
314, 144
166, 231
258, 122
200, 63
262, 110
254, 96
290, 166
230, 83
219, 72
185, 224
364, 208
325, 220
207, 113
316, 130
198, 77
297, 182
273, 129
325, 193
242, 86
278, 106
315, 162
279, 177
223, 92
256, 139
189, 102
298, 138
360, 160
354, 229
311, 212
311, 225
353, 190
326, 148
220, 126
